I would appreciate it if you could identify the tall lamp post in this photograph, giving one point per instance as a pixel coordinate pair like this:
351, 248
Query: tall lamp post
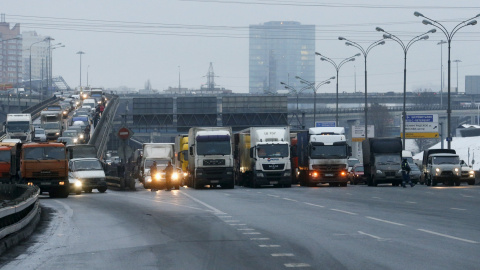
314, 88
80, 53
365, 53
457, 61
405, 48
51, 60
296, 92
337, 68
449, 36
30, 59
441, 71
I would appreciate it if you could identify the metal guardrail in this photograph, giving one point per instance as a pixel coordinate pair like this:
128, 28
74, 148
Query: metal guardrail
37, 108
20, 211
100, 135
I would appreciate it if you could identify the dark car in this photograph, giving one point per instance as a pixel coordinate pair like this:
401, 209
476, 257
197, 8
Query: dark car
357, 175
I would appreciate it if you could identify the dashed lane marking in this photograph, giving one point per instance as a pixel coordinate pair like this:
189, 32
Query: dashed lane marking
231, 221
276, 196
282, 254
342, 211
237, 224
296, 265
260, 239
316, 205
386, 221
459, 209
410, 202
215, 210
269, 246
371, 235
467, 196
251, 233
449, 236
376, 198
247, 229
288, 199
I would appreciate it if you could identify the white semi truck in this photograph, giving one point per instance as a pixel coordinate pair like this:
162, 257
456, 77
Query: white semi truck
19, 126
264, 157
322, 156
210, 157
161, 153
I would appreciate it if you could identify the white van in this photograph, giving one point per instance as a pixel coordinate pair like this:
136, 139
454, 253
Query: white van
90, 102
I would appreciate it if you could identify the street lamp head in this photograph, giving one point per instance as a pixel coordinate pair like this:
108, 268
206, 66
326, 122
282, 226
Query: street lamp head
332, 78
348, 43
327, 82
381, 42
427, 22
472, 22
432, 31
352, 59
418, 14
356, 55
379, 29
296, 77
425, 37
385, 36
317, 53
478, 15
282, 83
323, 59
341, 38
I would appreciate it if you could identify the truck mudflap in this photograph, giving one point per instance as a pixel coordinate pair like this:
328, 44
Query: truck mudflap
282, 178
214, 176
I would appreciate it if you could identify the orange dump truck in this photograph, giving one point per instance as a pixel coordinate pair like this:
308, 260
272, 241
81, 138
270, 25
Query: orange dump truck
9, 161
45, 165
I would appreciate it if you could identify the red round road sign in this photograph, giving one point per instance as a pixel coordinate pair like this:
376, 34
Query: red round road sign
124, 133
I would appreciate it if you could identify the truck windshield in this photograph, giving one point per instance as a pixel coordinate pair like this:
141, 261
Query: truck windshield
213, 148
44, 153
18, 126
388, 159
5, 156
272, 150
87, 165
328, 151
446, 160
52, 125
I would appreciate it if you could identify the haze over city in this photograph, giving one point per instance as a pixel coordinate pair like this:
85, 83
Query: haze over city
127, 43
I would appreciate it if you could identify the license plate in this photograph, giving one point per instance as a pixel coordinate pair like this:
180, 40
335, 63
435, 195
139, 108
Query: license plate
329, 174
273, 182
214, 181
45, 183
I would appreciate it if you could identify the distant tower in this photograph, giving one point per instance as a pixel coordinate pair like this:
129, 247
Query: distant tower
210, 78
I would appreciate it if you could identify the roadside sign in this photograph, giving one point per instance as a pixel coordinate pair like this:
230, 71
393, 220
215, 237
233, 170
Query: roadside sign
419, 126
325, 124
358, 132
124, 133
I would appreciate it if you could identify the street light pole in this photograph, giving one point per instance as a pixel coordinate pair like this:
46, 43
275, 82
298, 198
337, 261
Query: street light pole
87, 74
80, 53
449, 36
405, 48
291, 88
441, 71
365, 54
457, 61
314, 88
31, 64
337, 68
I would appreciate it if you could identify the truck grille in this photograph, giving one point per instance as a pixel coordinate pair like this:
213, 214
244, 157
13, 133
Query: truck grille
214, 173
210, 162
273, 166
45, 174
273, 175
329, 167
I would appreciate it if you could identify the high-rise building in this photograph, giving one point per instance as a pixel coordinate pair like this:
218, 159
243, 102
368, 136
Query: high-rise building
10, 54
279, 51
35, 48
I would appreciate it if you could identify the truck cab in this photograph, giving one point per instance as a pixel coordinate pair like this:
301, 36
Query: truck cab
19, 126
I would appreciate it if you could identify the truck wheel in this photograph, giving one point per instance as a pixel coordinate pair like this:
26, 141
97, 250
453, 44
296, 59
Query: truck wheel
102, 189
63, 193
457, 182
433, 182
195, 184
343, 184
428, 181
88, 190
52, 194
471, 182
78, 192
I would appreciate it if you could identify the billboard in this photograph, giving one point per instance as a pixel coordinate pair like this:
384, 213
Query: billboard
420, 126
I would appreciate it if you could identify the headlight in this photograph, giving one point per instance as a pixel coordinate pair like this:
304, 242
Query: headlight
259, 174
65, 112
77, 183
315, 174
75, 140
185, 174
84, 95
174, 176
472, 173
81, 136
437, 169
58, 133
157, 176
343, 173
456, 169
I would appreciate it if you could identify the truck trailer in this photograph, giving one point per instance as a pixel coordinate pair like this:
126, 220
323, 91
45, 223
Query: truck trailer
382, 159
322, 156
210, 157
264, 157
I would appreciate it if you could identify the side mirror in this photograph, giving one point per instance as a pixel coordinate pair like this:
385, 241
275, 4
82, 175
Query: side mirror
251, 152
191, 150
349, 150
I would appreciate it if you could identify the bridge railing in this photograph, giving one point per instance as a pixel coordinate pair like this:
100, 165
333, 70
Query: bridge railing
103, 128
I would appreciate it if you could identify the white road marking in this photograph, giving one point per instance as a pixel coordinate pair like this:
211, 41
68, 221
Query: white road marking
449, 236
371, 235
273, 195
224, 216
282, 254
386, 221
204, 204
290, 199
349, 193
459, 209
269, 246
314, 205
230, 221
259, 239
158, 201
246, 229
251, 233
342, 211
237, 224
294, 265
376, 198
410, 202
467, 196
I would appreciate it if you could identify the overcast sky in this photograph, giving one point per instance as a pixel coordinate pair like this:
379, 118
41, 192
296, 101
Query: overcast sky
129, 42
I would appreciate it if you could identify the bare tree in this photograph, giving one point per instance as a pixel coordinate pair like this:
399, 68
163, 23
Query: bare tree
380, 118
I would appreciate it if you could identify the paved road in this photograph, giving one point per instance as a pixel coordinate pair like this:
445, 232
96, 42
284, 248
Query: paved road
356, 227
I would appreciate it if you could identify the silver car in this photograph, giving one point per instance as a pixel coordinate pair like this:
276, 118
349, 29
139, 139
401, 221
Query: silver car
40, 135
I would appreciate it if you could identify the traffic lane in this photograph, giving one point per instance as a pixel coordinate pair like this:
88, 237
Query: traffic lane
326, 233
146, 230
